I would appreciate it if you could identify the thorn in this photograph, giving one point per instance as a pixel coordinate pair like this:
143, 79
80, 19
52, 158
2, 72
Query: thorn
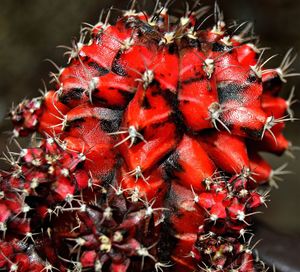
118, 190
79, 242
106, 244
91, 87
137, 172
59, 69
209, 67
78, 226
243, 232
159, 267
247, 173
290, 149
215, 110
13, 266
133, 135
241, 216
107, 214
219, 20
133, 4
127, 44
275, 175
250, 250
205, 268
207, 236
98, 266
265, 197
147, 78
134, 194
144, 252
29, 235
49, 267
226, 40
284, 70
258, 67
77, 265
74, 51
289, 102
203, 21
248, 26
271, 122
3, 228
149, 207
196, 197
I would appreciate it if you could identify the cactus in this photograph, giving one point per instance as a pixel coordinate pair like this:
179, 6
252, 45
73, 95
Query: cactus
145, 155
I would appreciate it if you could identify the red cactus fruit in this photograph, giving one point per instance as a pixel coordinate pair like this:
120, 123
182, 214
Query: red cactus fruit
148, 154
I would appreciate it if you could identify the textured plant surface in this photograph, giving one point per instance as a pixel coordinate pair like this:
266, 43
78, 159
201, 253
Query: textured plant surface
146, 154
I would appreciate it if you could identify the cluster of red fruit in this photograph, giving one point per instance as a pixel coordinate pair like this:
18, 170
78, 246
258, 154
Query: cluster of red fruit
148, 154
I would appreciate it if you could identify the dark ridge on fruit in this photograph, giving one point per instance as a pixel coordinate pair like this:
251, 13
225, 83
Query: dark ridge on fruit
149, 32
192, 80
110, 120
109, 126
75, 93
273, 83
167, 242
170, 98
173, 49
102, 71
172, 164
218, 47
127, 95
98, 100
252, 133
74, 124
145, 103
117, 67
230, 91
108, 178
252, 78
189, 43
144, 29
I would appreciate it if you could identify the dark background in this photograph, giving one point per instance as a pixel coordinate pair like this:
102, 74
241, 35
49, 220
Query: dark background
30, 31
